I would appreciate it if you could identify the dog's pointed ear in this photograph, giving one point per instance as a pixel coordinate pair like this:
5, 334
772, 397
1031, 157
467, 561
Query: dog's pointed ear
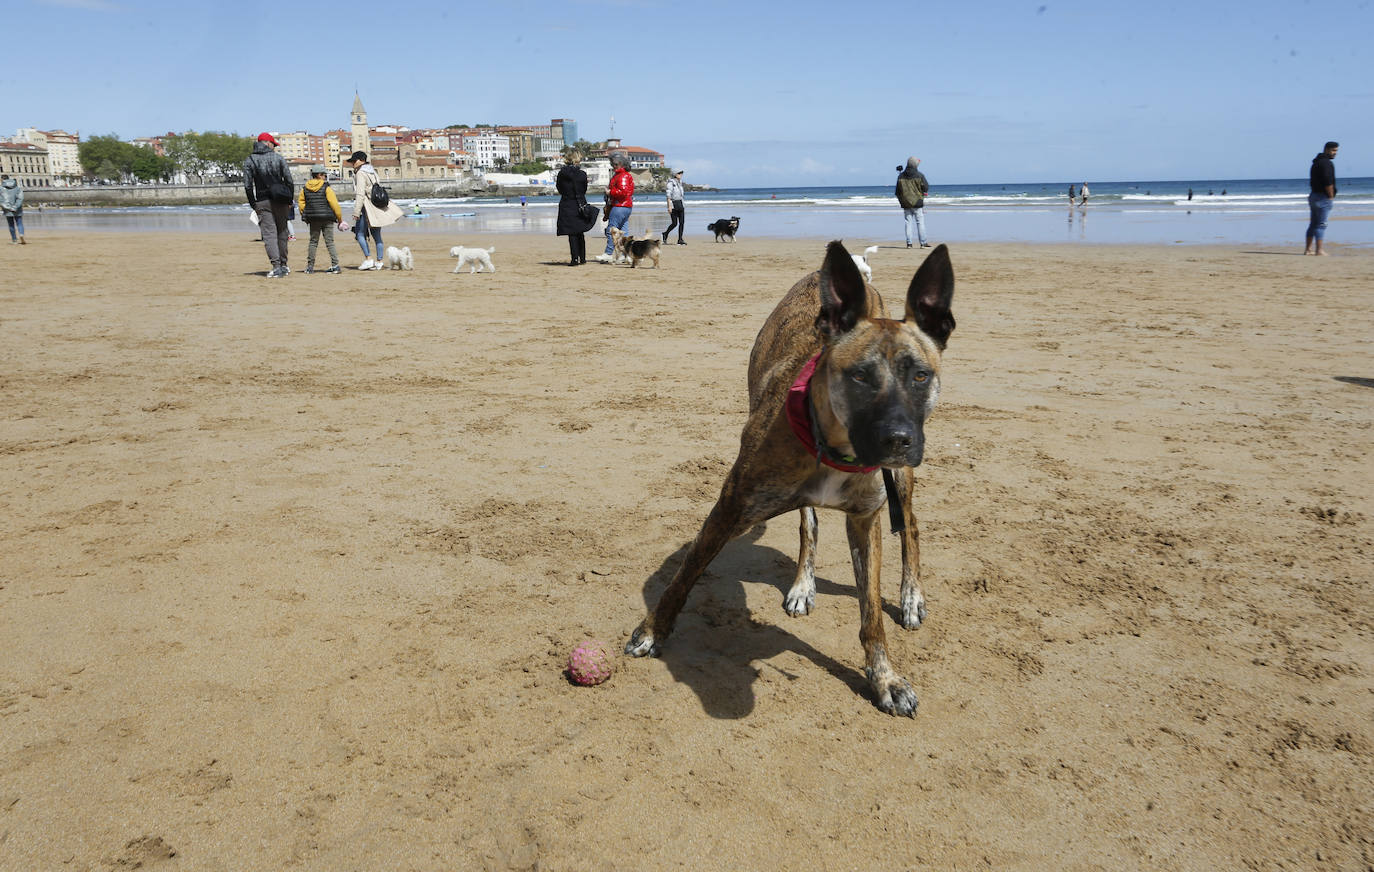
844, 298
930, 295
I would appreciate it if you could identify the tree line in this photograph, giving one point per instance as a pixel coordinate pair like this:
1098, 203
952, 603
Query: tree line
197, 155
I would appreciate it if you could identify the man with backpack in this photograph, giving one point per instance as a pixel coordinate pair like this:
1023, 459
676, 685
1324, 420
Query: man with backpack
267, 185
912, 188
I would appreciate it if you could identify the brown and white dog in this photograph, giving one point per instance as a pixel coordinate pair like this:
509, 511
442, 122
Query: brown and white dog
837, 391
634, 249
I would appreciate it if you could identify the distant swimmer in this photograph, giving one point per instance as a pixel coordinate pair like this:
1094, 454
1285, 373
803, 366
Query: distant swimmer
1209, 192
1072, 195
1083, 194
1190, 193
1223, 192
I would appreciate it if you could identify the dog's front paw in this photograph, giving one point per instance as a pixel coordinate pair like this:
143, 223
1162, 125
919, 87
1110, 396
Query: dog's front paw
641, 644
894, 695
800, 600
913, 610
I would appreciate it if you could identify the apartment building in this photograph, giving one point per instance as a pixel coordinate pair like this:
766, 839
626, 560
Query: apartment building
564, 129
26, 162
486, 146
64, 160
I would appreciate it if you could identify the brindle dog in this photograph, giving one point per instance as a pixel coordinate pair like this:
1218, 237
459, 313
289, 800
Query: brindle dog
874, 384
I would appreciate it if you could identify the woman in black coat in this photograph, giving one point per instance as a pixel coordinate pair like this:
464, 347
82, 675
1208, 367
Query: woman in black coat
572, 191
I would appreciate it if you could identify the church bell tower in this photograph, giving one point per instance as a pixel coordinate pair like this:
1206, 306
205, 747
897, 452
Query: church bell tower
362, 140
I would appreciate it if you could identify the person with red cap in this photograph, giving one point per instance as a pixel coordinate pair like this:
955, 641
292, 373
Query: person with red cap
267, 185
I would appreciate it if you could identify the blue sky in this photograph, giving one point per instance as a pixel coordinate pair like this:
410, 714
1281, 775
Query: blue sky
741, 94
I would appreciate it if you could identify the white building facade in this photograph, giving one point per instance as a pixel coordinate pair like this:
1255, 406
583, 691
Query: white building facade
485, 147
64, 159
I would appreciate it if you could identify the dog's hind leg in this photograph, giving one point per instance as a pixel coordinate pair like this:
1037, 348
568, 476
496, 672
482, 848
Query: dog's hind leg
893, 692
912, 599
801, 599
731, 516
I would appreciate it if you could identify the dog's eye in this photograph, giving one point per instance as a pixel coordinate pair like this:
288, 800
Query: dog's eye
920, 377
859, 376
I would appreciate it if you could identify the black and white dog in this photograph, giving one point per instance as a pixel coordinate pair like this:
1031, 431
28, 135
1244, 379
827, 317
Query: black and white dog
724, 228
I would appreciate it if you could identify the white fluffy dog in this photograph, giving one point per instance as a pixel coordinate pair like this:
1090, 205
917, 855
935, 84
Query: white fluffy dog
861, 261
399, 258
480, 258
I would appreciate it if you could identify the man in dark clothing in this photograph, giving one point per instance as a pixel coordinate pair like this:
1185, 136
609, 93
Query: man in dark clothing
911, 196
268, 187
1323, 178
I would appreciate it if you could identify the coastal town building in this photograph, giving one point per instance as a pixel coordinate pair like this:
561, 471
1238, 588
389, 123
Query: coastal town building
153, 142
64, 161
564, 129
360, 139
639, 158
307, 146
642, 158
486, 147
52, 158
26, 162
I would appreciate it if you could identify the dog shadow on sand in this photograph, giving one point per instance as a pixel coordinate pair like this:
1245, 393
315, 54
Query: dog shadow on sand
719, 651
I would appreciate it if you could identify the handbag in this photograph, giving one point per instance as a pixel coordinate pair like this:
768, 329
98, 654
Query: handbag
379, 197
587, 212
279, 192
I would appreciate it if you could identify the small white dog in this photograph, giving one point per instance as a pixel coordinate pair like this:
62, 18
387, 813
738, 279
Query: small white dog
399, 258
861, 261
480, 258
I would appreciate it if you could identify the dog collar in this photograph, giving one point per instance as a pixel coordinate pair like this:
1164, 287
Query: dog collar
801, 415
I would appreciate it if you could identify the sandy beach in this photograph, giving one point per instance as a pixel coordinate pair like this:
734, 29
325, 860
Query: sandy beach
289, 570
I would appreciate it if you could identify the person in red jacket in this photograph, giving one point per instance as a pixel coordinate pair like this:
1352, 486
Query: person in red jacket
620, 197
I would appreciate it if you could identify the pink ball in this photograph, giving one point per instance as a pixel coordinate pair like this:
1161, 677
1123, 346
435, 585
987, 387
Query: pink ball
590, 663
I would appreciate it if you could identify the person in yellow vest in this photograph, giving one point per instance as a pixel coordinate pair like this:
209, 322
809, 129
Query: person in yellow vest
320, 209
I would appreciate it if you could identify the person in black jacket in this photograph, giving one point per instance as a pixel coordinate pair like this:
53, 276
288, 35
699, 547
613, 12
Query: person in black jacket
1323, 179
267, 185
572, 190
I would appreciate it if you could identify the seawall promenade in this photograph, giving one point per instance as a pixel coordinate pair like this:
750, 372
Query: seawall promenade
197, 195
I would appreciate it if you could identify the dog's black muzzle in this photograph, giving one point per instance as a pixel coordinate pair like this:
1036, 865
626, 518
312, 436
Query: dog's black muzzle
894, 441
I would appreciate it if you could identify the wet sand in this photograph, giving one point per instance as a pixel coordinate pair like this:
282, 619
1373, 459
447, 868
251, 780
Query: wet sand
289, 569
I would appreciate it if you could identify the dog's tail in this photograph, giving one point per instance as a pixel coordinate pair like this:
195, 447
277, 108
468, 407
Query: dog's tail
872, 249
492, 249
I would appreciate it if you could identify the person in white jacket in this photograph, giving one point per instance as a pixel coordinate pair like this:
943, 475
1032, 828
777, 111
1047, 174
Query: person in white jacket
368, 218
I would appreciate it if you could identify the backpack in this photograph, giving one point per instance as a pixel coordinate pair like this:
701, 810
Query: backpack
379, 197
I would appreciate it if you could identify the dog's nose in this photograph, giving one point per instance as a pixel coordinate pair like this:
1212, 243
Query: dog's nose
898, 441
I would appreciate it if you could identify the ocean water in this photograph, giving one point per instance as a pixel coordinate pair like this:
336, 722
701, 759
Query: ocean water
1269, 212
